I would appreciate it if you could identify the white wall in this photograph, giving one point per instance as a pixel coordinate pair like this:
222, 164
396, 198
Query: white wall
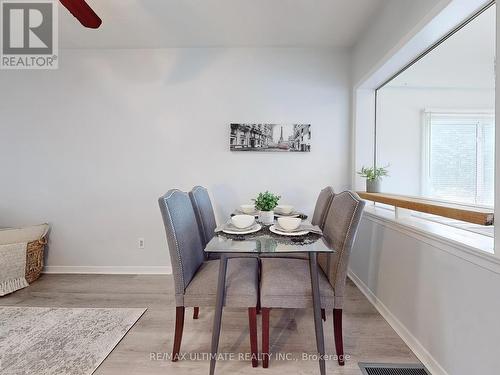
91, 146
400, 128
390, 30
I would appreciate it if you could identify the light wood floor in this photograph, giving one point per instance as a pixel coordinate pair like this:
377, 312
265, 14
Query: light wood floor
367, 336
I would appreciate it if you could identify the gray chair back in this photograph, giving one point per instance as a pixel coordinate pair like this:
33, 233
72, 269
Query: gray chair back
322, 206
340, 230
204, 213
183, 238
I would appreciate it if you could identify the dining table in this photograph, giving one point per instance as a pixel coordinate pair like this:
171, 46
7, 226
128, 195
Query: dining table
262, 243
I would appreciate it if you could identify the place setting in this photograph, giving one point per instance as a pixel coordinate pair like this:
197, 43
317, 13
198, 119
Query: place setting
286, 210
266, 216
293, 226
240, 225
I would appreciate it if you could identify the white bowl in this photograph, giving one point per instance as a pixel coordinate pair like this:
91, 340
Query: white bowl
247, 208
284, 209
289, 223
242, 221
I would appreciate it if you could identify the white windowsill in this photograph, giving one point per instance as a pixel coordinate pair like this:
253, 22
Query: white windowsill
470, 246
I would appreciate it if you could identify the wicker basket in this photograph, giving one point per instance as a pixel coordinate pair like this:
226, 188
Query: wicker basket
34, 259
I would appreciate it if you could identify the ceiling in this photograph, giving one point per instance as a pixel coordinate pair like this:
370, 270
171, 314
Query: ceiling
466, 60
220, 23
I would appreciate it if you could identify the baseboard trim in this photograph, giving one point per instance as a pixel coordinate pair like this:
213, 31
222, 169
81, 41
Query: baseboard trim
111, 270
422, 354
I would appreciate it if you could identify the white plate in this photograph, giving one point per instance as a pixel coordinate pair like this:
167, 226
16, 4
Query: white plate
273, 229
254, 229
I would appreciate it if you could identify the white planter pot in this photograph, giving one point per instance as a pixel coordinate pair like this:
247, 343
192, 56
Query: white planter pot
266, 217
373, 186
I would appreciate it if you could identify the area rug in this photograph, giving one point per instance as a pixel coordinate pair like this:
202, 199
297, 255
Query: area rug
39, 340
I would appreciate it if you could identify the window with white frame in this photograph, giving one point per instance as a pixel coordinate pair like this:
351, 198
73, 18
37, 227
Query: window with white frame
458, 157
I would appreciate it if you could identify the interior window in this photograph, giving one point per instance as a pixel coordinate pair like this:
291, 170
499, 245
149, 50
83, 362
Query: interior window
435, 120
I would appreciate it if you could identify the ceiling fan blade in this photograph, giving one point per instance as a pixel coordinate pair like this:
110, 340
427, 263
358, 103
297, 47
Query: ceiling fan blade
83, 12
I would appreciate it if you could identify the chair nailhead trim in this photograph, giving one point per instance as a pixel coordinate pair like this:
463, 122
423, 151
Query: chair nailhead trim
176, 242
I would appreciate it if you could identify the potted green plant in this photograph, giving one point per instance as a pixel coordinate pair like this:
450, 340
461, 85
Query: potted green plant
265, 204
373, 177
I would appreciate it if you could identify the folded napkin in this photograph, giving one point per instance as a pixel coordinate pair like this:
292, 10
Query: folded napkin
302, 227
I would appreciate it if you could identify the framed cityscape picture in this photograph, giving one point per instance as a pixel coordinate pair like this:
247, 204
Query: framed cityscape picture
270, 137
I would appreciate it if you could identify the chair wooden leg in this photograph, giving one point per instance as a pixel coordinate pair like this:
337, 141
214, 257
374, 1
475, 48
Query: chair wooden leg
323, 315
179, 326
196, 312
265, 337
258, 284
252, 325
337, 332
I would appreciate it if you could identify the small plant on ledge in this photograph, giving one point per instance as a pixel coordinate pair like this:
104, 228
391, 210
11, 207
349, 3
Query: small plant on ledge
265, 204
373, 177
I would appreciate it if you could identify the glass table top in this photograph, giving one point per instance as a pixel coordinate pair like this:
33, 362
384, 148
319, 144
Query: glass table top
266, 242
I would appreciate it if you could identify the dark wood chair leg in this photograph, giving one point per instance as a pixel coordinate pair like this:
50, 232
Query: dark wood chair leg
196, 312
252, 325
265, 337
337, 332
323, 315
258, 298
258, 284
179, 326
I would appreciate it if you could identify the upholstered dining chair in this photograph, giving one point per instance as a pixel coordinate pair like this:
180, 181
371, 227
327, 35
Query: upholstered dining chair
319, 217
205, 217
320, 210
204, 212
322, 206
195, 278
286, 282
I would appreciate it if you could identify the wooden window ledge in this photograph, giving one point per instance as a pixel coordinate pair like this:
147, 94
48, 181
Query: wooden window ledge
470, 214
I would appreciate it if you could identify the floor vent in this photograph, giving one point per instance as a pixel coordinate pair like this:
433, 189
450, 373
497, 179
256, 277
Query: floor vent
392, 369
